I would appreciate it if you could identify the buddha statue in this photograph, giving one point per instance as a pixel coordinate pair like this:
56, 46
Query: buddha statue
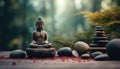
39, 46
39, 37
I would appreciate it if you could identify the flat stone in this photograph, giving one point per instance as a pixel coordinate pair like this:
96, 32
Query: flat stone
102, 57
94, 54
85, 56
17, 54
40, 52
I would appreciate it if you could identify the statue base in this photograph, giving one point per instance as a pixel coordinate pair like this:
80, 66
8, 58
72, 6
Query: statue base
40, 52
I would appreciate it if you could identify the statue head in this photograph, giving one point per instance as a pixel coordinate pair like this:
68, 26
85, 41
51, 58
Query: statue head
39, 24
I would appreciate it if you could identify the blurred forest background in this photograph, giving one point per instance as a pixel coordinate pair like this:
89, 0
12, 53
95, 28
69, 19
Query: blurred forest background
64, 26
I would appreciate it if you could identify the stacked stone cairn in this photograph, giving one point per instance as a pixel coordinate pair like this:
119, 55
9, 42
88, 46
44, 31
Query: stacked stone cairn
99, 38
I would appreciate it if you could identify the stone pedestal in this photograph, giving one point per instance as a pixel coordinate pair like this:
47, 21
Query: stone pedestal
40, 52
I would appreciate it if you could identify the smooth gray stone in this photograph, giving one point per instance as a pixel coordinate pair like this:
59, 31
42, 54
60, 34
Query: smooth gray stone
81, 47
64, 51
85, 56
102, 57
17, 54
94, 54
113, 49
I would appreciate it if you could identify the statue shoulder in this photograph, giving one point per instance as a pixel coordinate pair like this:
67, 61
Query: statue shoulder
44, 31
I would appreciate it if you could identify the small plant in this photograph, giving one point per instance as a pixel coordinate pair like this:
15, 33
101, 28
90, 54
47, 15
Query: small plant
82, 36
104, 16
85, 36
114, 26
62, 42
114, 29
108, 18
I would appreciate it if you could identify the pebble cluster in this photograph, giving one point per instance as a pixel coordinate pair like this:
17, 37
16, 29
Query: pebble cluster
81, 51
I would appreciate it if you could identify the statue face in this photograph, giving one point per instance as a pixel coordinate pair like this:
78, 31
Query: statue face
39, 25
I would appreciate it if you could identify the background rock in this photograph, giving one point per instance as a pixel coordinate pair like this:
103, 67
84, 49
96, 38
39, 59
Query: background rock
85, 56
17, 54
102, 57
113, 49
94, 54
64, 51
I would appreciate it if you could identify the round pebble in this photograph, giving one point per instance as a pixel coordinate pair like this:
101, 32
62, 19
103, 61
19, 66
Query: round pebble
113, 49
17, 54
75, 53
81, 47
64, 51
85, 56
94, 54
102, 57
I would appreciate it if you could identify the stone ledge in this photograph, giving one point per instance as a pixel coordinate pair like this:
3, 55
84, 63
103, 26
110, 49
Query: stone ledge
102, 49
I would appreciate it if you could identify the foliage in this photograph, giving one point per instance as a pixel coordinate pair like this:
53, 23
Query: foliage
113, 30
108, 18
85, 36
18, 17
104, 16
82, 36
114, 26
59, 42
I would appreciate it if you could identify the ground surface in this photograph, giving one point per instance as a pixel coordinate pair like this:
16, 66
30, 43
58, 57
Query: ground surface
55, 63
